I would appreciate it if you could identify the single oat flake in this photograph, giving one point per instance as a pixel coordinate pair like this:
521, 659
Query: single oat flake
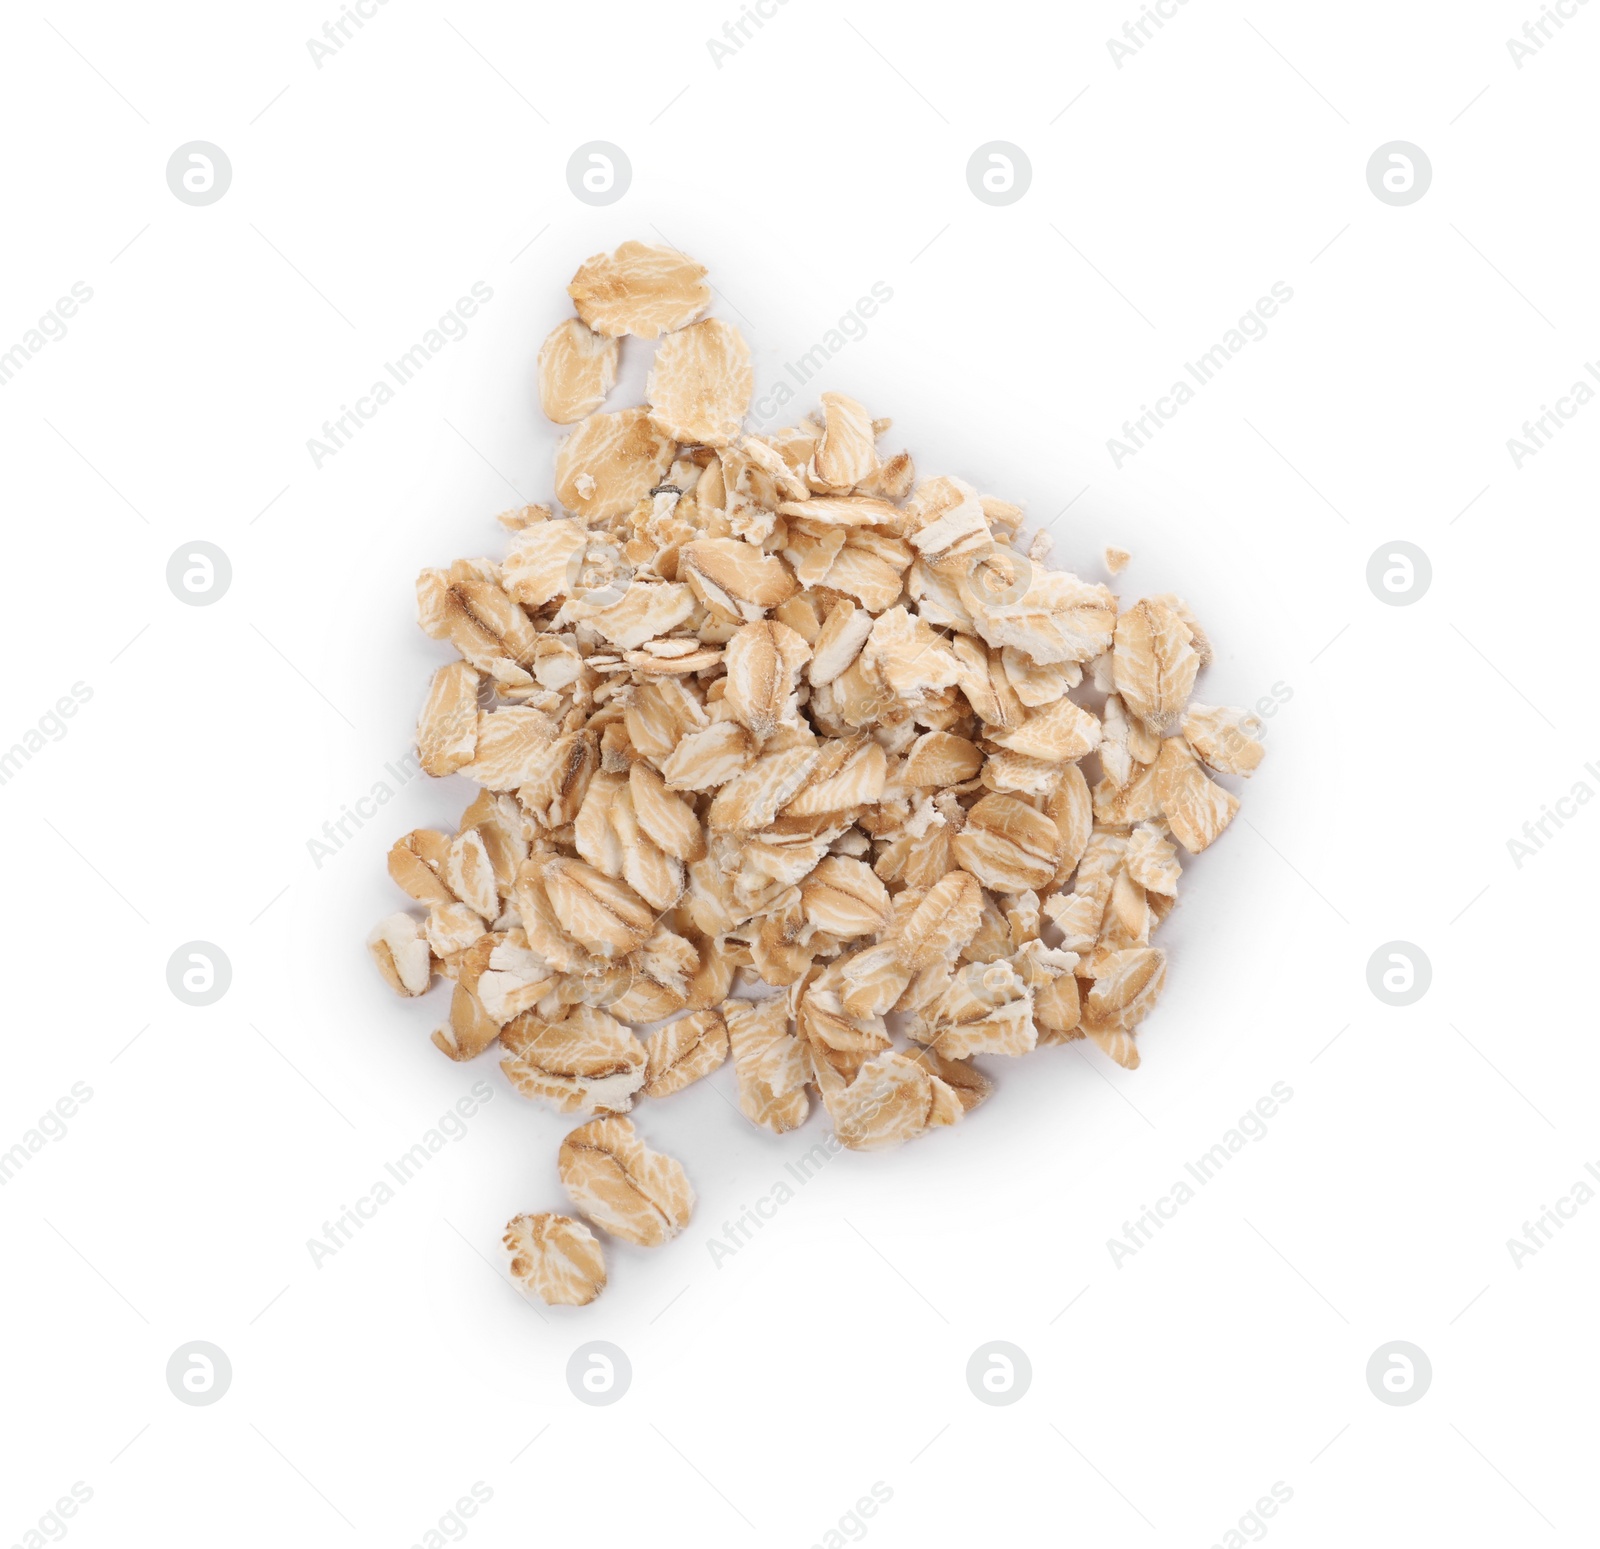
556, 1259
577, 368
639, 289
788, 759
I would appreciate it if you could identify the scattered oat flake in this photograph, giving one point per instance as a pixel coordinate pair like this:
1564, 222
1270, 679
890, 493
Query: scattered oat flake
556, 1259
639, 289
701, 382
623, 1186
577, 368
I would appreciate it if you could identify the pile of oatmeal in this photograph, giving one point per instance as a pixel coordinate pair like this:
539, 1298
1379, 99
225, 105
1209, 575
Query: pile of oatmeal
776, 743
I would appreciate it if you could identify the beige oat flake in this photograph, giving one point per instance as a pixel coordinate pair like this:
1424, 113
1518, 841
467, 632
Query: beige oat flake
701, 382
577, 368
639, 289
623, 1186
556, 1259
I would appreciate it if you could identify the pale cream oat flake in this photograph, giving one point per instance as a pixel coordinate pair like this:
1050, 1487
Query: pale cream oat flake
605, 915
1151, 861
400, 950
763, 662
700, 385
623, 1186
892, 1099
845, 898
577, 368
847, 453
415, 862
734, 577
939, 923
1196, 808
639, 289
447, 730
1008, 845
1126, 986
683, 1051
539, 560
556, 1259
588, 1062
986, 1008
1155, 663
611, 462
452, 928
770, 1063
511, 747
1225, 739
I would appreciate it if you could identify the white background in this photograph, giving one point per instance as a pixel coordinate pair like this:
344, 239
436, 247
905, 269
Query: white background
771, 1392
